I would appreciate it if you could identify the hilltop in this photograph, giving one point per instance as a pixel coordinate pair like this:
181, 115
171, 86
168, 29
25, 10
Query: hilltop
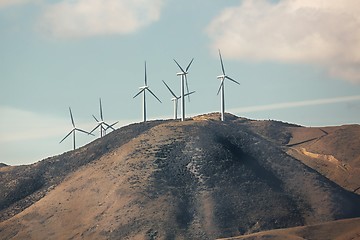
198, 179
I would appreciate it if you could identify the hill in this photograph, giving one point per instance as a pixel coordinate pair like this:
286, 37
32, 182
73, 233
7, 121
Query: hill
332, 151
198, 179
339, 230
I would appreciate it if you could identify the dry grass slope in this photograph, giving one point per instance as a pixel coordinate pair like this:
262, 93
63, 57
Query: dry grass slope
332, 151
335, 230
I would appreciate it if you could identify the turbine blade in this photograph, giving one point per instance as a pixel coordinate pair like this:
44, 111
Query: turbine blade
72, 119
95, 118
222, 64
187, 87
187, 68
107, 126
139, 93
232, 80
67, 135
221, 85
114, 123
78, 129
145, 75
179, 66
111, 126
172, 93
94, 128
154, 95
101, 113
189, 93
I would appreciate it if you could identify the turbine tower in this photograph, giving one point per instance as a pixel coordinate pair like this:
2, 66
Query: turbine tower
183, 76
175, 99
222, 87
143, 90
73, 130
102, 123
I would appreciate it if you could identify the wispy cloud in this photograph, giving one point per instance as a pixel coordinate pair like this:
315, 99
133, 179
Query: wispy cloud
21, 125
305, 103
85, 18
326, 33
7, 3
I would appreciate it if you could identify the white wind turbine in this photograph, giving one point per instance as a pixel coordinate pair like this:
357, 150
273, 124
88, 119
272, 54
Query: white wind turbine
143, 90
183, 76
102, 123
175, 99
222, 87
73, 130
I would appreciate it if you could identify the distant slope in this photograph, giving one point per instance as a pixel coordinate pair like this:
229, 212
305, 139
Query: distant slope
332, 151
199, 179
336, 230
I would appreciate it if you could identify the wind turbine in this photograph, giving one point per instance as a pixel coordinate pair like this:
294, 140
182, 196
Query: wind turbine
102, 123
73, 130
111, 126
183, 77
175, 99
222, 87
143, 90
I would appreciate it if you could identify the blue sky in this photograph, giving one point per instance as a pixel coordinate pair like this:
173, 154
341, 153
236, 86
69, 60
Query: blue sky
297, 61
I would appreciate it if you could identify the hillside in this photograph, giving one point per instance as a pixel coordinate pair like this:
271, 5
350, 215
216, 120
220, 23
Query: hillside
332, 151
335, 230
198, 179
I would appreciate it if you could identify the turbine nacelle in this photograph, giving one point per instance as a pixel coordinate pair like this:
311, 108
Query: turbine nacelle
181, 73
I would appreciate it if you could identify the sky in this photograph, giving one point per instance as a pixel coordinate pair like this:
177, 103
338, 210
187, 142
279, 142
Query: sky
298, 61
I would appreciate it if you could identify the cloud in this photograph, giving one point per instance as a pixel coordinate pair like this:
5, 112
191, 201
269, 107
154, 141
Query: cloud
7, 3
286, 105
325, 33
85, 18
20, 125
